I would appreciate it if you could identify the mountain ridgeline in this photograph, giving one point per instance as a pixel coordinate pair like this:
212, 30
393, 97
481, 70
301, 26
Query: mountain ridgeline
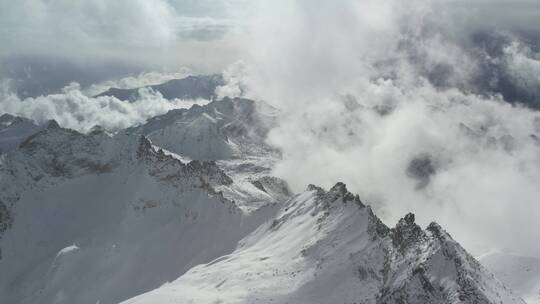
184, 209
191, 87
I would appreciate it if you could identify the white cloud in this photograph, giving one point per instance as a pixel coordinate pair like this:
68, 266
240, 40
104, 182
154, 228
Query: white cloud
73, 109
79, 28
355, 82
523, 65
137, 81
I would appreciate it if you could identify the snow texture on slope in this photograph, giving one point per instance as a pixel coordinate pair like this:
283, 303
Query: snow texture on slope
328, 247
89, 218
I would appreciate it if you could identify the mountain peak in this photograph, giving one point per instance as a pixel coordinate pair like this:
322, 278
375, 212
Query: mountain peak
97, 129
53, 124
407, 232
145, 148
339, 188
340, 191
407, 220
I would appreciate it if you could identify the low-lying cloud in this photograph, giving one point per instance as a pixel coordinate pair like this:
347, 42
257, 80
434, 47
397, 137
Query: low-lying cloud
425, 106
408, 107
73, 109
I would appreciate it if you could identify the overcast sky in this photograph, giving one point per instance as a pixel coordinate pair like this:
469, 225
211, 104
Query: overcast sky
48, 43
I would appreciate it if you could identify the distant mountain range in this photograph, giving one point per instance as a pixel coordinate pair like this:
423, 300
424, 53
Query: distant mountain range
191, 87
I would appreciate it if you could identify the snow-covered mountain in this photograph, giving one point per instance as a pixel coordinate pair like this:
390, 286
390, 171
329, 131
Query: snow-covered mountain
191, 87
188, 198
230, 128
328, 247
94, 218
13, 130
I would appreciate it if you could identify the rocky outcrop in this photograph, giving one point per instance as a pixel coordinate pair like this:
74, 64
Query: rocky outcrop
329, 247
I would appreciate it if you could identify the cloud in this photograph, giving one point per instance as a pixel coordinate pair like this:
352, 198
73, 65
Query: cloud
44, 43
73, 109
522, 67
406, 107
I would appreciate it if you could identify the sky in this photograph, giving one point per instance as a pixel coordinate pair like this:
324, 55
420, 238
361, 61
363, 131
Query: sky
47, 44
429, 106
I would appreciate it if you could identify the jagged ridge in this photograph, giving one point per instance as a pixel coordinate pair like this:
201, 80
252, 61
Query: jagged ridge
329, 247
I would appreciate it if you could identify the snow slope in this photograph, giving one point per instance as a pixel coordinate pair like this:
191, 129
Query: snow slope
225, 129
328, 247
191, 87
94, 218
520, 273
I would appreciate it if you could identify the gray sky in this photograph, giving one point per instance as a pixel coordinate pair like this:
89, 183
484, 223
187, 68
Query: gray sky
46, 44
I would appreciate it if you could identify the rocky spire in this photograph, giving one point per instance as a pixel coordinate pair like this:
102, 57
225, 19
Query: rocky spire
53, 124
407, 232
340, 191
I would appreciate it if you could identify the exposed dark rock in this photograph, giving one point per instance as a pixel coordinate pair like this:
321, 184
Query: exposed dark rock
52, 124
407, 233
339, 191
376, 228
258, 185
172, 169
5, 218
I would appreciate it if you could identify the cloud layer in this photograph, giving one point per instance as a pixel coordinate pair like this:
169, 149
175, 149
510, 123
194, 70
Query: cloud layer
408, 107
73, 109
